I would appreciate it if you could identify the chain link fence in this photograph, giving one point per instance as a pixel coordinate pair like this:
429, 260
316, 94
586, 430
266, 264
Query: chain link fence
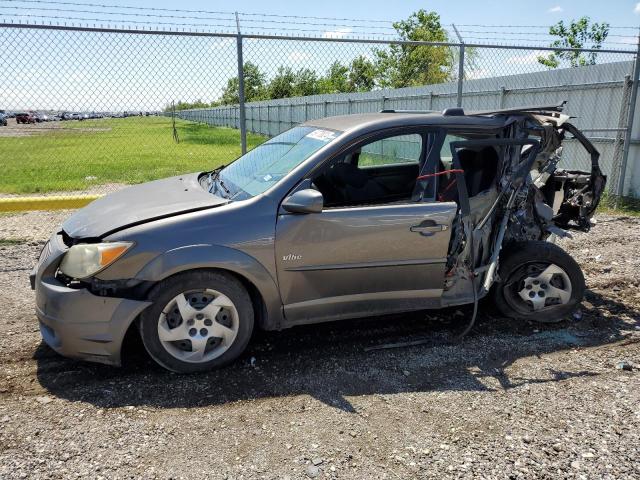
91, 110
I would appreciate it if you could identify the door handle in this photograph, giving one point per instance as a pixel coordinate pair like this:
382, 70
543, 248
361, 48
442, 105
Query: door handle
428, 227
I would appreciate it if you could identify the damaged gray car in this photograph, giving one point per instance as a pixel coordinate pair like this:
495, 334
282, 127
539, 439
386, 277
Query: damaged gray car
341, 217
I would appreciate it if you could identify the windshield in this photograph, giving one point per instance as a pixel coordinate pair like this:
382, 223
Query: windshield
264, 166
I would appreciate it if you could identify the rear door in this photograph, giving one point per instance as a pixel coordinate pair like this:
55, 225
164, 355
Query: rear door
365, 259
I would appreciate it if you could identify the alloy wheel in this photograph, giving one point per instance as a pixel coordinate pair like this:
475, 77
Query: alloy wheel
537, 287
198, 326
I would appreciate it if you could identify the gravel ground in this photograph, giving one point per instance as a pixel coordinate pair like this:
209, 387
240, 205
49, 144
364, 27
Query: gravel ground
511, 401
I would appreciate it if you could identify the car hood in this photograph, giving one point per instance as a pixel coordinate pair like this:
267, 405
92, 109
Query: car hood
140, 204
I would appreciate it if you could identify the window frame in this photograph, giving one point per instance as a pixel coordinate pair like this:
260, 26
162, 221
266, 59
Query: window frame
423, 141
431, 165
427, 132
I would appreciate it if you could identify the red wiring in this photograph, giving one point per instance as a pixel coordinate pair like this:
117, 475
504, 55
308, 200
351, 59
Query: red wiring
437, 174
441, 196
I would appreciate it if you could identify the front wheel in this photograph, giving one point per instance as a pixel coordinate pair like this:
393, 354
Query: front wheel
198, 321
538, 281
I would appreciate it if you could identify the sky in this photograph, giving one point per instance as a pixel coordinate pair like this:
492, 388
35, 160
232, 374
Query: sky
616, 12
53, 70
500, 12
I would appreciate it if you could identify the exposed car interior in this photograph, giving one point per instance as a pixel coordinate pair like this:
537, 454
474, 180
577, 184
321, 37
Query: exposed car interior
386, 171
480, 169
380, 172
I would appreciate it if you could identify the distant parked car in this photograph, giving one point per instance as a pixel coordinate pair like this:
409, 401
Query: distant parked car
3, 120
42, 117
25, 118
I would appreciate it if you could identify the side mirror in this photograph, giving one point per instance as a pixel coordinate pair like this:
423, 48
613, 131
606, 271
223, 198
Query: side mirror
304, 201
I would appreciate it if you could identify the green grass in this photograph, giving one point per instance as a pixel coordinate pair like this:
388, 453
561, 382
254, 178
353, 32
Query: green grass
84, 155
632, 211
10, 242
623, 206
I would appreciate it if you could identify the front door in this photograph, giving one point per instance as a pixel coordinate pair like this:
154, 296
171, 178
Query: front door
386, 254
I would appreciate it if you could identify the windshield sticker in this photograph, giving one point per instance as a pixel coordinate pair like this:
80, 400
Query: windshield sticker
322, 135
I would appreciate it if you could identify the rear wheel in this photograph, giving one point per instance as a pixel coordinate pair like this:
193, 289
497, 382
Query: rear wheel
538, 281
198, 321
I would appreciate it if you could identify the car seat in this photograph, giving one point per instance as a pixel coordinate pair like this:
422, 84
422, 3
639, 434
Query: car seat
354, 185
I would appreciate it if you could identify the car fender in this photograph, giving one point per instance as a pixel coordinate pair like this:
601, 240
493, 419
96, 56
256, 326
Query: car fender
195, 257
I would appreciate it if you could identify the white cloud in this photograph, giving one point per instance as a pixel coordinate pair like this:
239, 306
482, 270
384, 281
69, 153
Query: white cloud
337, 33
637, 9
556, 9
298, 56
526, 59
478, 73
222, 44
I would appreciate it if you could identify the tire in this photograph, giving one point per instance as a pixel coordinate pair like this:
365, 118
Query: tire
191, 341
547, 276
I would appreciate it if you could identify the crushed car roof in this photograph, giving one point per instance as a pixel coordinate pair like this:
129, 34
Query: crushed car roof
451, 116
387, 120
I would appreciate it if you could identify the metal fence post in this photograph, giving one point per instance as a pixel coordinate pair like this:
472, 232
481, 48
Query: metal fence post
616, 157
242, 113
291, 124
268, 119
460, 67
503, 92
260, 115
460, 76
631, 114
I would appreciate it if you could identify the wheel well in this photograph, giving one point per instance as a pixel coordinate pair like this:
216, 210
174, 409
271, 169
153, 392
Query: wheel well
259, 307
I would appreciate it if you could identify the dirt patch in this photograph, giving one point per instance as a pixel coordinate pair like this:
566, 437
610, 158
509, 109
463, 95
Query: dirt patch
511, 401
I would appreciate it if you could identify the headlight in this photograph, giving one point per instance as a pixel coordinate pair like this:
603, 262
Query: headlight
82, 261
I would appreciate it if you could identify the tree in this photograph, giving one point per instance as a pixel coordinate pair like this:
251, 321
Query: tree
409, 65
578, 34
362, 74
288, 83
180, 105
283, 84
306, 82
254, 88
336, 80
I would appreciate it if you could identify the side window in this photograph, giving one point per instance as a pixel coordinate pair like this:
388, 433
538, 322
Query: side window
391, 151
445, 151
374, 173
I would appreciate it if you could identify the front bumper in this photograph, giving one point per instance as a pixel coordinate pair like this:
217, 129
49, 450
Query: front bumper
75, 322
